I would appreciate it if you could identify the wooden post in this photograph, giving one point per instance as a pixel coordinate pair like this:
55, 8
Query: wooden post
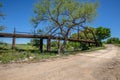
48, 44
41, 45
14, 40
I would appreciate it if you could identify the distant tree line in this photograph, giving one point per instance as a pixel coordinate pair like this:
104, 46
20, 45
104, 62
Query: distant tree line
113, 40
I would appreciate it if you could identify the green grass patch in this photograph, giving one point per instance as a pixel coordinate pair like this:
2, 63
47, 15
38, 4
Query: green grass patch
27, 53
94, 49
25, 56
84, 51
9, 57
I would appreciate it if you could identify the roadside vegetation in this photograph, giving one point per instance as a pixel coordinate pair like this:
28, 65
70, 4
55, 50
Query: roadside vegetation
22, 53
28, 53
113, 40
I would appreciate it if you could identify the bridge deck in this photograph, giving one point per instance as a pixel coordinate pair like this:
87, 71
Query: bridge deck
11, 35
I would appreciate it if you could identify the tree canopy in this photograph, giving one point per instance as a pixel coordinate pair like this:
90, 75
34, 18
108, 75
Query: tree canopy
102, 33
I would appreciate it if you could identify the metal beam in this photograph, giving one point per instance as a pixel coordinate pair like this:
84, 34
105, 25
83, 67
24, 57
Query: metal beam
10, 35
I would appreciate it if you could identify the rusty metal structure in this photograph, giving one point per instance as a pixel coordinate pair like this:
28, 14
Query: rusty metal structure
14, 35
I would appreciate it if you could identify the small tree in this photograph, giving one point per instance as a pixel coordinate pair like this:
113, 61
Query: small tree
63, 16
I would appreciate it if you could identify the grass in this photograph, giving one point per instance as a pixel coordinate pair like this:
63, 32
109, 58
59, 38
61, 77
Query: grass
27, 53
9, 57
22, 53
25, 56
89, 50
94, 49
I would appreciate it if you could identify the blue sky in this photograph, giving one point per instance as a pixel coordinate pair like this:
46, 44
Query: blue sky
19, 12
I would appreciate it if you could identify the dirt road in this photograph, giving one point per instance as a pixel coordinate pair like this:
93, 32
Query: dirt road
85, 66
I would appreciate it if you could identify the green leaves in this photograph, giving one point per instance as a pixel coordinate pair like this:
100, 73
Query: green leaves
113, 40
102, 33
70, 10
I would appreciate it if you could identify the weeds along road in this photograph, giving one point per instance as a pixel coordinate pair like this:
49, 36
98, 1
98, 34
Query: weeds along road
85, 66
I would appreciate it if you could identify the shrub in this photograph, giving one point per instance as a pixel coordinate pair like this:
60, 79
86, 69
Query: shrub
84, 46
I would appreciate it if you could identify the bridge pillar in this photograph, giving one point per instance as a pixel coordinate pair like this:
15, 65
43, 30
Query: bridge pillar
14, 40
48, 44
41, 45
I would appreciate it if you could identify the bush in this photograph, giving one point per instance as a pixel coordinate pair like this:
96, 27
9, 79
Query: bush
84, 46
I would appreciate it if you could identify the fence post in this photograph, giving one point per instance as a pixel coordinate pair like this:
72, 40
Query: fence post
14, 39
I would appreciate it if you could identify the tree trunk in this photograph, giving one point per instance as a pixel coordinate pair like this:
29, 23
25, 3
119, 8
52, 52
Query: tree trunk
58, 46
62, 50
100, 43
